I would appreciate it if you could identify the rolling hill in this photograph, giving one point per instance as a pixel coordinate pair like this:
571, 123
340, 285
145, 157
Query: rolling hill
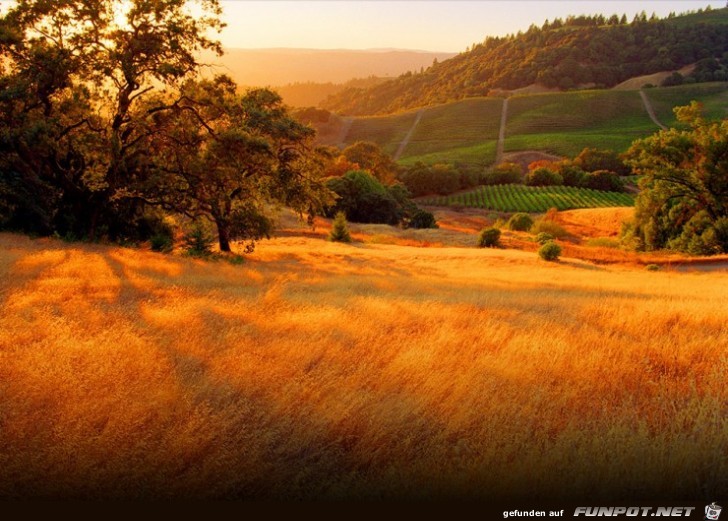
561, 123
580, 51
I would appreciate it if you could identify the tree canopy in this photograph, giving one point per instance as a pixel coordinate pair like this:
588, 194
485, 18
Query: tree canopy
581, 50
683, 202
103, 118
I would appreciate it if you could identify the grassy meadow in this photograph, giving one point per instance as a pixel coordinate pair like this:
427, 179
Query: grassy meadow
321, 370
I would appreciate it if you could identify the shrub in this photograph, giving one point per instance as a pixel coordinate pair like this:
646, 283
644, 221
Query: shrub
544, 225
544, 237
652, 267
162, 242
422, 219
198, 241
489, 238
521, 222
340, 229
550, 251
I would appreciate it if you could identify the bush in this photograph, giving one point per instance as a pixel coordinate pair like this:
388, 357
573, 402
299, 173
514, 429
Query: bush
340, 229
550, 251
543, 225
489, 238
422, 219
544, 237
521, 222
198, 241
652, 267
162, 242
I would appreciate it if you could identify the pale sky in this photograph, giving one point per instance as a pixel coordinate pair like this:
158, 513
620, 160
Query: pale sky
432, 25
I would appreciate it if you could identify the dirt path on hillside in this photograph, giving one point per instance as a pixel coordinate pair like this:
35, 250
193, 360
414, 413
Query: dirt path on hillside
407, 138
348, 121
502, 133
650, 110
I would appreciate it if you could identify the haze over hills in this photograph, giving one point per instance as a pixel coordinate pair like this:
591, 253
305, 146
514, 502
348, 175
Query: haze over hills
594, 52
278, 67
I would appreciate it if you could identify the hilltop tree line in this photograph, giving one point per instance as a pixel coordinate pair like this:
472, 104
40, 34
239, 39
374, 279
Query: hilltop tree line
580, 51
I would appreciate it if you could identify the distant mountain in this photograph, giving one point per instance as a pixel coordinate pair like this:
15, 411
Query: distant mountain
583, 51
278, 67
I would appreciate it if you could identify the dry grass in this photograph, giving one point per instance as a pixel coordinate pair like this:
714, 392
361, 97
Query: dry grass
366, 370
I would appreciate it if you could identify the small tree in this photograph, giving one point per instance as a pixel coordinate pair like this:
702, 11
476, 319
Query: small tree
340, 229
198, 242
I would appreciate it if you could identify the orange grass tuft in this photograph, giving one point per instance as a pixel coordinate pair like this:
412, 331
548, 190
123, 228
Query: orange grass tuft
321, 370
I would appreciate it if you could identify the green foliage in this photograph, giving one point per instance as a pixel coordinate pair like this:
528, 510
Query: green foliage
340, 229
422, 179
519, 198
162, 243
652, 267
489, 238
198, 241
503, 174
92, 139
364, 199
543, 177
549, 227
571, 174
592, 160
550, 251
544, 237
368, 156
683, 202
603, 180
422, 219
521, 222
578, 51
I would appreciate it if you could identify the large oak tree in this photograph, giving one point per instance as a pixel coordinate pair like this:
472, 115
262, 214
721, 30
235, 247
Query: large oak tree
683, 202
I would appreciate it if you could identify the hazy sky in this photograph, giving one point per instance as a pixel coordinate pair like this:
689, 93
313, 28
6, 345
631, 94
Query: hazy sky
433, 25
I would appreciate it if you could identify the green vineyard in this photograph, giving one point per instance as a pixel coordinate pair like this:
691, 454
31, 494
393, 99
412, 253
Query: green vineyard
520, 198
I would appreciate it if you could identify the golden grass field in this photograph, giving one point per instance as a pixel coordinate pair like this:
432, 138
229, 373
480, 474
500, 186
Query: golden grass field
321, 370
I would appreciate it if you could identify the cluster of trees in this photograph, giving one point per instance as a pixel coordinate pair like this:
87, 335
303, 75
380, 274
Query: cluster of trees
595, 51
707, 69
683, 199
368, 189
105, 125
592, 168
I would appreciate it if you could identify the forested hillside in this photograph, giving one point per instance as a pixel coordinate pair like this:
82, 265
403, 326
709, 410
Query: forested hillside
595, 51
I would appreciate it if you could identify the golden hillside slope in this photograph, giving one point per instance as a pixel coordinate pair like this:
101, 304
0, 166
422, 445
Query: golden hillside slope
327, 370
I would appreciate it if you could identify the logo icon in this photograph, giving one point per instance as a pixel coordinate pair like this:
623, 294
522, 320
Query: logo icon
712, 511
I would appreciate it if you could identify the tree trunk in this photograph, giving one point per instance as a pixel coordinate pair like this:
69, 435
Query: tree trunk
223, 235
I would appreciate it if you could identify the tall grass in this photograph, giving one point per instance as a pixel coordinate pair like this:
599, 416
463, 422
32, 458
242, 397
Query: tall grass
318, 370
